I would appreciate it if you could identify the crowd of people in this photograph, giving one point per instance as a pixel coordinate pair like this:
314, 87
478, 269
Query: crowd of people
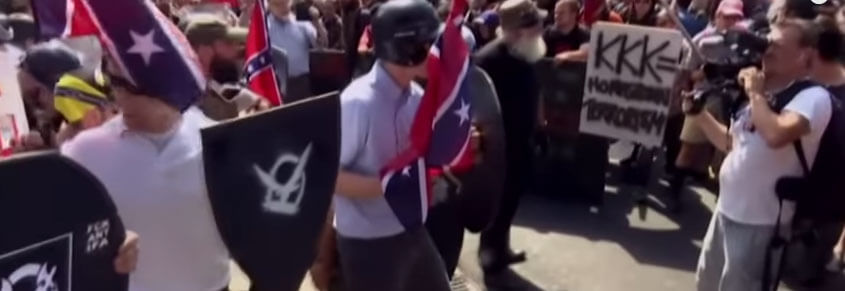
95, 115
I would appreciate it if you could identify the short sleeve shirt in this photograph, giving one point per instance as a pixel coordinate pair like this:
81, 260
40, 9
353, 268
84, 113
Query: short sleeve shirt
559, 41
296, 38
376, 117
751, 169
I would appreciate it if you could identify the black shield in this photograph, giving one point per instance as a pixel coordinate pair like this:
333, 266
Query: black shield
483, 186
59, 227
270, 179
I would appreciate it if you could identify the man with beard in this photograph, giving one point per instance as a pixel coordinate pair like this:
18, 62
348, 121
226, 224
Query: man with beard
219, 49
509, 61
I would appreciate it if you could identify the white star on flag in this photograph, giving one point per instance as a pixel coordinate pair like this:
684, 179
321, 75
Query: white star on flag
144, 45
463, 112
406, 171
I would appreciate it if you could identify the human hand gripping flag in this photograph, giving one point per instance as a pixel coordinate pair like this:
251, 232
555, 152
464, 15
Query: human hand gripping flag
440, 134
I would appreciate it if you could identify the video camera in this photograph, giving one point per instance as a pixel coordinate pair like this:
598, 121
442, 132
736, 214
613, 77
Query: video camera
746, 49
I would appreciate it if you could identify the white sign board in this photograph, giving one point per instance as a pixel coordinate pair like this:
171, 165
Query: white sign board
630, 74
12, 115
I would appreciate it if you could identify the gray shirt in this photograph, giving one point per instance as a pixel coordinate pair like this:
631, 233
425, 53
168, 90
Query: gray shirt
376, 117
296, 38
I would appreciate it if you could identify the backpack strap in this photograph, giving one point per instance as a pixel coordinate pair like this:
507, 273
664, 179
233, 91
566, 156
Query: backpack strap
799, 150
779, 241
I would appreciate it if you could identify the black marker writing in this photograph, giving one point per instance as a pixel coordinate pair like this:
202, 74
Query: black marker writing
629, 90
651, 56
632, 119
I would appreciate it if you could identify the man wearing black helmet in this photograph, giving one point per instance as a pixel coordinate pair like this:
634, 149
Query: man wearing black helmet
377, 109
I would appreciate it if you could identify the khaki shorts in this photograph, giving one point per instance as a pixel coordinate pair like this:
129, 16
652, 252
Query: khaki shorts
692, 133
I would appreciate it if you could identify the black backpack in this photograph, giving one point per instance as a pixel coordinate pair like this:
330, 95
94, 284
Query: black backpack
819, 194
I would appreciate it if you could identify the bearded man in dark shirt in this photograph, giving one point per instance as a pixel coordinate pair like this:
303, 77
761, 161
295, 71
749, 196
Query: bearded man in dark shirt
509, 61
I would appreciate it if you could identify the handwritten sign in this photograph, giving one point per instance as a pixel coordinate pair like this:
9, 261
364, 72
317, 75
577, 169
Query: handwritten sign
630, 74
12, 114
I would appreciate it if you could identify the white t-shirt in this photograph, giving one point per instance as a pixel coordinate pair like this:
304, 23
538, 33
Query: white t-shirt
160, 193
751, 169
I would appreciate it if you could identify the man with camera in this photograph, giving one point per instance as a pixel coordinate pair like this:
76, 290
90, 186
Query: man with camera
759, 145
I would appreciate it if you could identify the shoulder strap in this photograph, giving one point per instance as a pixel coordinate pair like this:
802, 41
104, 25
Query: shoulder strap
799, 150
784, 97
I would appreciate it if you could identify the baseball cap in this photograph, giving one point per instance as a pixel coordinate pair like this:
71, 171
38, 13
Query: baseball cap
514, 14
730, 8
205, 28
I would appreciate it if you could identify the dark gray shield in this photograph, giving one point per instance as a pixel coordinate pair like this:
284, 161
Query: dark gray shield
484, 184
58, 227
270, 179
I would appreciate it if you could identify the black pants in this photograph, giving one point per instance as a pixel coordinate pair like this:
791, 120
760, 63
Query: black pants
518, 156
447, 232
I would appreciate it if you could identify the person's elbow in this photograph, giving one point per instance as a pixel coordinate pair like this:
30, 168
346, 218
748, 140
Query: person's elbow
788, 128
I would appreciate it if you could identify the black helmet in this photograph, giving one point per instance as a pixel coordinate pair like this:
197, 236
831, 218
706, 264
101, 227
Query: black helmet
403, 31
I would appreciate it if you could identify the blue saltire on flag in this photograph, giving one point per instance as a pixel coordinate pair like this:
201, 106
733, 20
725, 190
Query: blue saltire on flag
440, 134
150, 51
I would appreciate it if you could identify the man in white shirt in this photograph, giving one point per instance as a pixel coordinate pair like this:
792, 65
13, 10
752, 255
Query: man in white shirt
150, 160
760, 151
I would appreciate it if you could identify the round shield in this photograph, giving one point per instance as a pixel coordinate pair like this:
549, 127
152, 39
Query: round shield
60, 229
482, 187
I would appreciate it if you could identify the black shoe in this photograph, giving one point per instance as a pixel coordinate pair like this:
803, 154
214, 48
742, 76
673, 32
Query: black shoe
492, 261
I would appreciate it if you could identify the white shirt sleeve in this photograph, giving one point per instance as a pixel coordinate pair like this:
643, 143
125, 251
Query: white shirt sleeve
813, 104
353, 131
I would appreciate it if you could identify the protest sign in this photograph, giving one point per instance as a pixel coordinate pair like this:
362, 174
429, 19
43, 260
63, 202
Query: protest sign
270, 179
13, 120
630, 74
60, 229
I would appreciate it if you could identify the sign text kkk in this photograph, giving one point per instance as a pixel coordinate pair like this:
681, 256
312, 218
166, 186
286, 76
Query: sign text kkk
630, 74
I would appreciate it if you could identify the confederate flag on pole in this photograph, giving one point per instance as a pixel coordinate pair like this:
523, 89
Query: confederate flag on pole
440, 134
259, 73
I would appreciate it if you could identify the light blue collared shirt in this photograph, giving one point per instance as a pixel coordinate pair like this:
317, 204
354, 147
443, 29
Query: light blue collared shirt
376, 117
296, 38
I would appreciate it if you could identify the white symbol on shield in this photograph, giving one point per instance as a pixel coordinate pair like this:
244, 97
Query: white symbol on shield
42, 273
284, 198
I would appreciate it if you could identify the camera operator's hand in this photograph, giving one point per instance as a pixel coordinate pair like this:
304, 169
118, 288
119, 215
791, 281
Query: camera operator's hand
752, 80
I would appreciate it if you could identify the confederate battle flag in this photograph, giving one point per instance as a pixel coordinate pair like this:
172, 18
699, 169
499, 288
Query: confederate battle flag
259, 73
440, 133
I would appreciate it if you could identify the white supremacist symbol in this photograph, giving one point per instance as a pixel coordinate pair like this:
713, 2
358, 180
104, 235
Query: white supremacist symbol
144, 45
97, 236
284, 198
42, 273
